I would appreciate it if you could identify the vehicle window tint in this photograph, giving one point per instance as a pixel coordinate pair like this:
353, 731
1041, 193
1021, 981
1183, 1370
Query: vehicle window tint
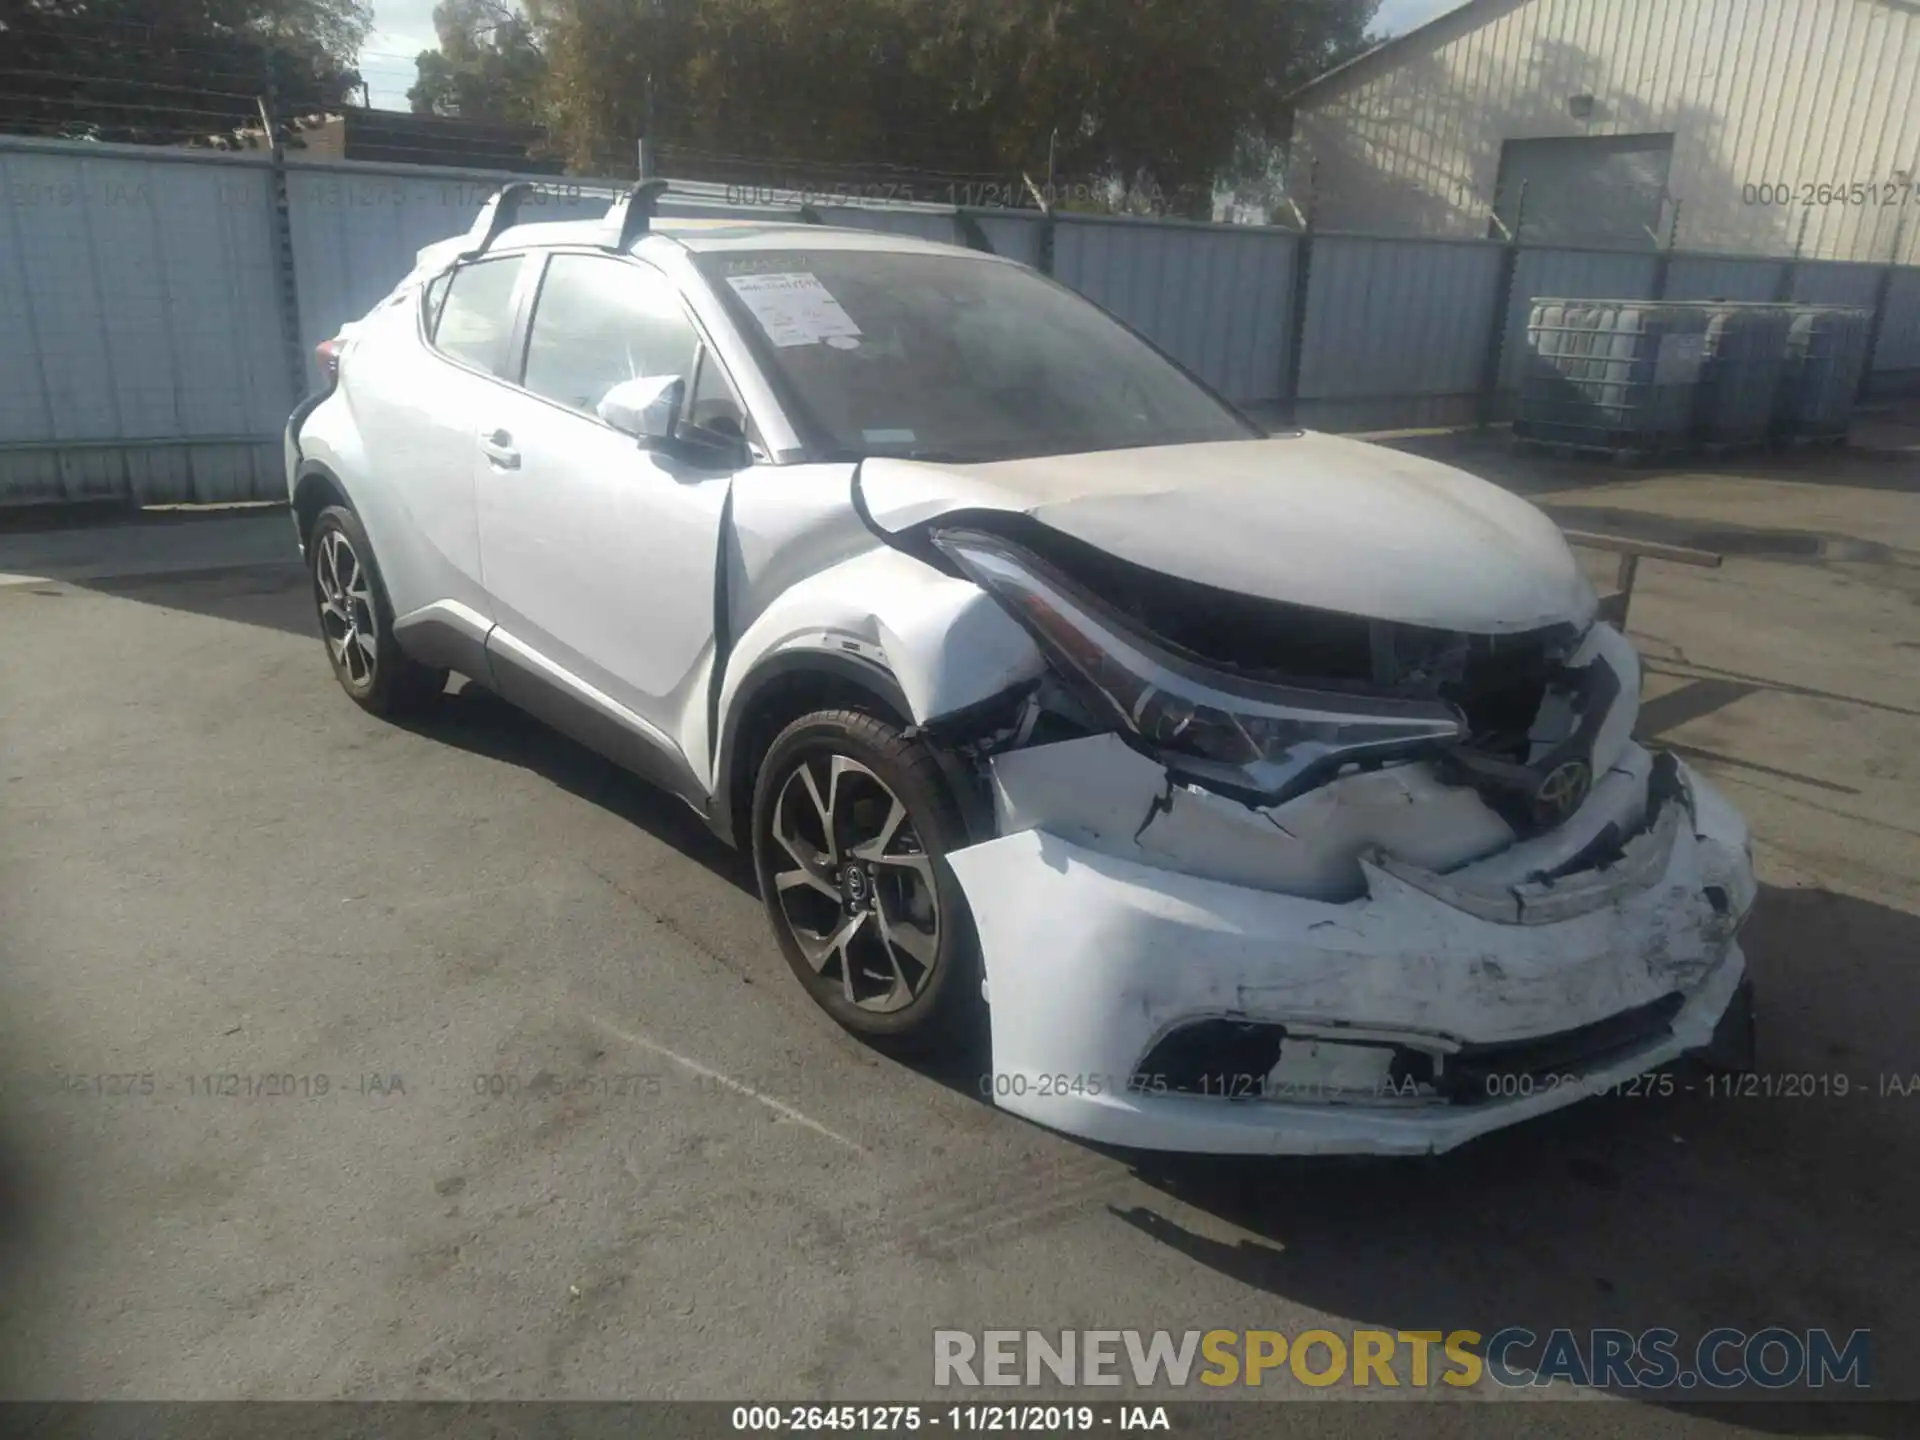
477, 314
599, 321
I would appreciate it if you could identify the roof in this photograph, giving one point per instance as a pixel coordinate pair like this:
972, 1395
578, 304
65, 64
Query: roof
1390, 44
701, 234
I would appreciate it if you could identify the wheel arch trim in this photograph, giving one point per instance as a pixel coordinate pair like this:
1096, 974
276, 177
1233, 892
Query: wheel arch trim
730, 762
308, 472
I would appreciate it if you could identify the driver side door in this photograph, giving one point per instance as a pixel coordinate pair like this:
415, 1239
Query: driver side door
599, 555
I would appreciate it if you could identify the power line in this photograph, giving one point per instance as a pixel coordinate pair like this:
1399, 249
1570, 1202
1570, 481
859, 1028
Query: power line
136, 106
128, 80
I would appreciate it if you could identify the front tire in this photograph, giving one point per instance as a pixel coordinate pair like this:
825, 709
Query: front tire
356, 621
852, 824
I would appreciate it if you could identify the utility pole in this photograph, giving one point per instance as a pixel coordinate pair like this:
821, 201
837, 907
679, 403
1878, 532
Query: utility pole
1783, 286
648, 157
280, 217
1881, 291
1302, 292
1663, 260
1497, 325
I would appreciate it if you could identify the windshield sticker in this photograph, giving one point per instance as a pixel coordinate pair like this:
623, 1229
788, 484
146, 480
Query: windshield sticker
762, 264
888, 437
794, 308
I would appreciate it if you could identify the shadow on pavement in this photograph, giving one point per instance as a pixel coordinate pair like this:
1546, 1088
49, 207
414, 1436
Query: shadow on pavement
272, 596
1687, 1212
475, 719
24, 1183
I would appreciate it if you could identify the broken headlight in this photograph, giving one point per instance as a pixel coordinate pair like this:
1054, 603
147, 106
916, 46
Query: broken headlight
1233, 733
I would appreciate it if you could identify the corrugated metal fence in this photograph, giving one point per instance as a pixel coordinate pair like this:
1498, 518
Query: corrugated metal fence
148, 350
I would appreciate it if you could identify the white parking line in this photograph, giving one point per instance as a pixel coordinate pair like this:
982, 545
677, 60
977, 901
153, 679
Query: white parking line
726, 1082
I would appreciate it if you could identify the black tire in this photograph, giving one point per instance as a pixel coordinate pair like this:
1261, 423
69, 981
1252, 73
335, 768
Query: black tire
382, 681
946, 1013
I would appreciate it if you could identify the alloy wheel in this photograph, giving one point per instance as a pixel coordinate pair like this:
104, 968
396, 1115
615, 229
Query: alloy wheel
344, 591
859, 899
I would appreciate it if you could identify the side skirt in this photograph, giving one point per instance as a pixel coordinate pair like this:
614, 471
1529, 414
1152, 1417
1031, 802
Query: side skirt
447, 636
544, 690
452, 636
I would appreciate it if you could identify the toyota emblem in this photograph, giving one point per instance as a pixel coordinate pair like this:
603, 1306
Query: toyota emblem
1562, 792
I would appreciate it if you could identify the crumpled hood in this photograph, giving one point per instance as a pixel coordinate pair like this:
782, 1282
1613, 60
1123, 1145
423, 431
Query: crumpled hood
1308, 519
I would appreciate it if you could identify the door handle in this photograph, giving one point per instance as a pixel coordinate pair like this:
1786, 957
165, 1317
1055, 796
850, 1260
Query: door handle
497, 446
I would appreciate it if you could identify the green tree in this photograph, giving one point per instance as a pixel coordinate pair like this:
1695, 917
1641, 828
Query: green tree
1159, 95
163, 71
487, 67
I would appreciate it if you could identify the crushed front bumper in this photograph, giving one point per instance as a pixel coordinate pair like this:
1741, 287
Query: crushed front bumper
1093, 960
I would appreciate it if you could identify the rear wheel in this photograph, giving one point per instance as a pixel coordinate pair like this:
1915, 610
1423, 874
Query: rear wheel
852, 826
356, 620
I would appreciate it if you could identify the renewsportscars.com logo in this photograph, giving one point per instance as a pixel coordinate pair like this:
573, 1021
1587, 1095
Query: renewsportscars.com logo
1773, 1358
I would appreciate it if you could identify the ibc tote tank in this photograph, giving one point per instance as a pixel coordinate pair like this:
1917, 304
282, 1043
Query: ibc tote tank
1826, 353
1744, 360
1614, 377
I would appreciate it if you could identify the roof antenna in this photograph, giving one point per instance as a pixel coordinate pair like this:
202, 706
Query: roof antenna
496, 216
629, 217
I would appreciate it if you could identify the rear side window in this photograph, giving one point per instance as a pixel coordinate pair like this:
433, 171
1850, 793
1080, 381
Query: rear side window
430, 305
599, 321
475, 315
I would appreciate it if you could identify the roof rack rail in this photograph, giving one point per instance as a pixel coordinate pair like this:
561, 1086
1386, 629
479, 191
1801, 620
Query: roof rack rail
629, 217
495, 216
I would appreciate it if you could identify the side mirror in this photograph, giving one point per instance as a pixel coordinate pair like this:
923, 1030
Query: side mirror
646, 407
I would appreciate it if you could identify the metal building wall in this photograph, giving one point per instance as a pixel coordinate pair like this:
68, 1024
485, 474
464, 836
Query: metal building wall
147, 356
1011, 233
1721, 277
1396, 330
1836, 283
357, 229
1215, 297
1558, 273
1780, 92
143, 349
1896, 359
927, 223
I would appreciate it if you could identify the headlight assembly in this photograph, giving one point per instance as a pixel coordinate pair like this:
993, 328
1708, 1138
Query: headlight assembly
1237, 734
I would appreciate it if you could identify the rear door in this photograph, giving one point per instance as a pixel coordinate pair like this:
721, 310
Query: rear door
418, 387
599, 555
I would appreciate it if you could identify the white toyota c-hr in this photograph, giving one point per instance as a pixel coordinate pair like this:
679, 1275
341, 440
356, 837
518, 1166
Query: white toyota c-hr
1259, 792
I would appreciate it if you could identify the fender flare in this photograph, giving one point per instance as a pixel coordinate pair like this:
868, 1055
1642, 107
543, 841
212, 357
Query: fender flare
312, 470
838, 665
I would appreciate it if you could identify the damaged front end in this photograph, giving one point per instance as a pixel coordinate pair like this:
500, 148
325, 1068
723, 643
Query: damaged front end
1272, 878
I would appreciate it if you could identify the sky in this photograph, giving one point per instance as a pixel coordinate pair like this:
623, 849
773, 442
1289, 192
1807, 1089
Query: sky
403, 28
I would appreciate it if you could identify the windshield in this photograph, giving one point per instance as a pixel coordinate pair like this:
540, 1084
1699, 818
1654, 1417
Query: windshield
948, 357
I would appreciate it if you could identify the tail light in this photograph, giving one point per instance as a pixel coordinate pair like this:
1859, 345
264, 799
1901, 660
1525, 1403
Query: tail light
328, 354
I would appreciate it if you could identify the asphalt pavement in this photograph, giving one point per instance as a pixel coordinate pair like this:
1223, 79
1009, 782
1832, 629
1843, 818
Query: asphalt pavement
346, 1059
